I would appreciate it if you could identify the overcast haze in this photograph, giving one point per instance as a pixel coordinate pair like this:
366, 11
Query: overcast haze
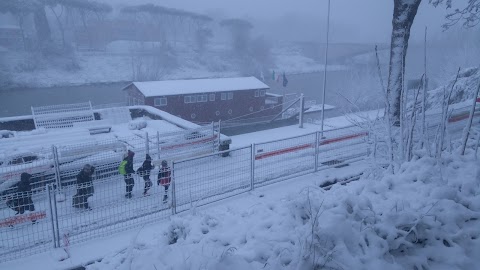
366, 21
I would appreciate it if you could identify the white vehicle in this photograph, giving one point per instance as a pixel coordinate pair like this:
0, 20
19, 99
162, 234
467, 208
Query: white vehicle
11, 167
72, 160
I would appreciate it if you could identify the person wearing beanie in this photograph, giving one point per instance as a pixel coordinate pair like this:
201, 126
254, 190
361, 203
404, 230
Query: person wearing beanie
84, 187
22, 200
129, 171
164, 178
144, 172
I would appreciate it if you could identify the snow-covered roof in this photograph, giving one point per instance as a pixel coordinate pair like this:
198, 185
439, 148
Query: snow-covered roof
178, 87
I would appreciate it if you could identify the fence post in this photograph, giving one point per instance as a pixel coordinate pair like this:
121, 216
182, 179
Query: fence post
50, 210
302, 108
252, 170
317, 150
158, 144
56, 217
219, 134
147, 143
174, 193
56, 165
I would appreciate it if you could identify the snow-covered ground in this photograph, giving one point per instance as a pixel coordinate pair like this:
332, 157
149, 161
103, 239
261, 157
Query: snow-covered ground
425, 217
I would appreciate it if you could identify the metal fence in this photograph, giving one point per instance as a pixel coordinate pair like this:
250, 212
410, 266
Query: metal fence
196, 181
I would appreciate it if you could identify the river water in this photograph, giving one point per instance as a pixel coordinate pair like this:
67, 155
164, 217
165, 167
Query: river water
19, 101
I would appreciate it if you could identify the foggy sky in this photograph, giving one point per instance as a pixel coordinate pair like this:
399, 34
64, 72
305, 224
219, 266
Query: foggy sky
358, 21
365, 21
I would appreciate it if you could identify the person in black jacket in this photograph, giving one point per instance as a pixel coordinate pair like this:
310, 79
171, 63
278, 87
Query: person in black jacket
21, 201
144, 171
84, 187
128, 177
164, 178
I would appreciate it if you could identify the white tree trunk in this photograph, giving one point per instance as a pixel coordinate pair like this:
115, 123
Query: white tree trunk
404, 12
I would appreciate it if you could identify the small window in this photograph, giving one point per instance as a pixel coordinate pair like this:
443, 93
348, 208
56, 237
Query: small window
262, 93
256, 93
217, 113
134, 101
212, 97
262, 108
190, 99
193, 115
250, 109
160, 102
230, 96
230, 111
28, 159
16, 161
224, 96
202, 98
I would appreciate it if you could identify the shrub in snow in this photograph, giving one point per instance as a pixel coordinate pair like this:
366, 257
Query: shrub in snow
177, 230
425, 217
468, 80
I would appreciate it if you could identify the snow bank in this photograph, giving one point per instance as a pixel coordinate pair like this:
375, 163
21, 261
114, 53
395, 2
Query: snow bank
426, 217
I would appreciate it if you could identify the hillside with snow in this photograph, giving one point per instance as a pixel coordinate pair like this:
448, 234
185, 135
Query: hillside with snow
124, 60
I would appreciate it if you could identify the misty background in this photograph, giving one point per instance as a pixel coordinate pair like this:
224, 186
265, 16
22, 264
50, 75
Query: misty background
88, 50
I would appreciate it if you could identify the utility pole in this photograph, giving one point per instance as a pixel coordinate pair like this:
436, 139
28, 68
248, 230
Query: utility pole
325, 71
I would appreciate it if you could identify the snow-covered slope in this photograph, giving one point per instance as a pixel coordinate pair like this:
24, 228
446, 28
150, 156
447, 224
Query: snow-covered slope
464, 89
426, 217
117, 64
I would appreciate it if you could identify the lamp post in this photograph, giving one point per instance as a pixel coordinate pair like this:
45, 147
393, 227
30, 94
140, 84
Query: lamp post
325, 71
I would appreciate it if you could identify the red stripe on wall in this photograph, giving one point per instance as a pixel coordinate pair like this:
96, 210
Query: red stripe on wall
310, 145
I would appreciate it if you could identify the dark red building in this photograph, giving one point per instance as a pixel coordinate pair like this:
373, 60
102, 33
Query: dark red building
207, 100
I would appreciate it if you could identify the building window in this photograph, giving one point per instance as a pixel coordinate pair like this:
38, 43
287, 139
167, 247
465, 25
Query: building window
217, 113
193, 115
250, 109
262, 93
190, 99
256, 93
262, 108
160, 102
230, 96
230, 111
212, 97
134, 101
223, 96
202, 98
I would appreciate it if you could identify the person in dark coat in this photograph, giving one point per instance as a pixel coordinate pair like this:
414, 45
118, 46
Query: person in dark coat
21, 201
84, 187
144, 171
128, 177
164, 178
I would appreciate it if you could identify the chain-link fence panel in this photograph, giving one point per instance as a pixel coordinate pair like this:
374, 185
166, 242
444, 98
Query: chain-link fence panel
206, 179
282, 159
25, 224
104, 155
340, 146
103, 207
40, 165
184, 144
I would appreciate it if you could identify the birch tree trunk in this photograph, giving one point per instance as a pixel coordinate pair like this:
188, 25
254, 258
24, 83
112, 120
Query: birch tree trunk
404, 12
